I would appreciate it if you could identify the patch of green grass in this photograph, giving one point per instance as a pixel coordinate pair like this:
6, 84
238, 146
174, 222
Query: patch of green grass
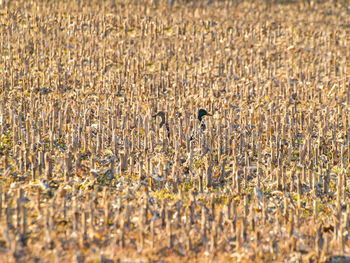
6, 140
164, 194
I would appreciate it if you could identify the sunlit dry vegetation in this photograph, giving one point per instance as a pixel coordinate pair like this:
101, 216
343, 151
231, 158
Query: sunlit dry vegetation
89, 174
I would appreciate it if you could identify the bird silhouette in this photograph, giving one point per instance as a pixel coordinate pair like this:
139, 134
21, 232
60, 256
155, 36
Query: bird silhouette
201, 114
161, 114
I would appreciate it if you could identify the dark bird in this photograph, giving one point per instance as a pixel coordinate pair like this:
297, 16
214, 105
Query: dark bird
161, 114
201, 114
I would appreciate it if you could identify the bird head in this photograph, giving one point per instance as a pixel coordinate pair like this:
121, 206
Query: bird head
161, 114
202, 113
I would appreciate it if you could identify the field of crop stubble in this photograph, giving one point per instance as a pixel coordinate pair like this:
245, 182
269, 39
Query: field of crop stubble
88, 174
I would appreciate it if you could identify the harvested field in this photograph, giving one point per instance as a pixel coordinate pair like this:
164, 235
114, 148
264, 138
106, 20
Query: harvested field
102, 155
